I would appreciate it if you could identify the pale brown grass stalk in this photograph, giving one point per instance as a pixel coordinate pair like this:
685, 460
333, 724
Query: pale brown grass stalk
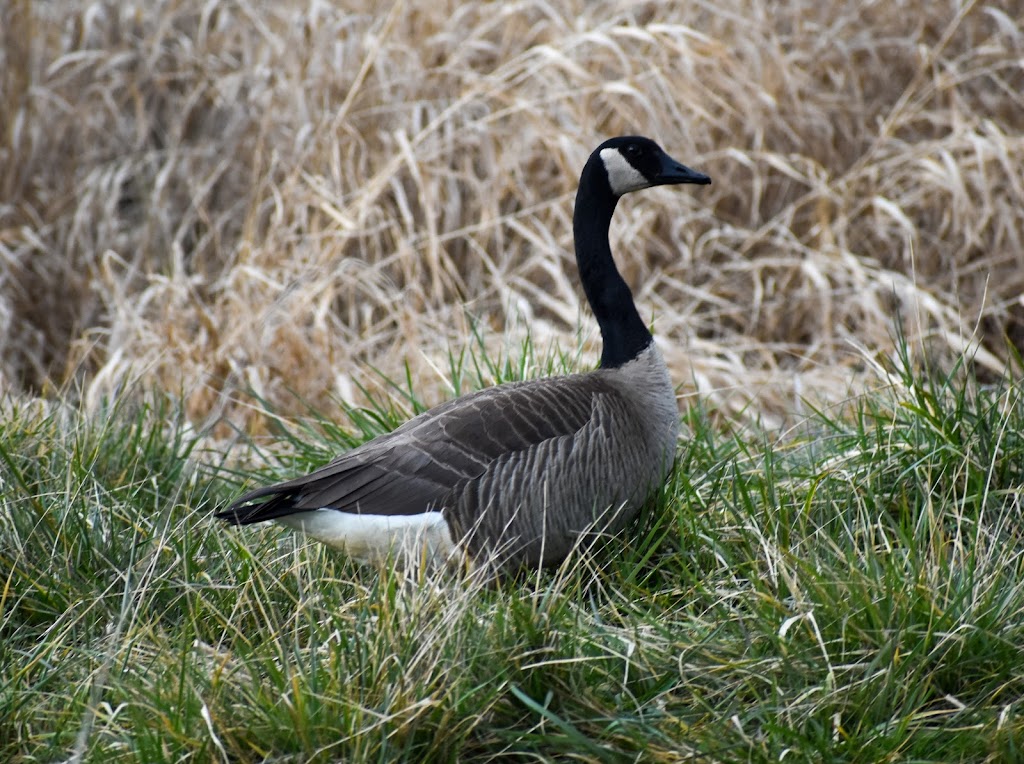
227, 197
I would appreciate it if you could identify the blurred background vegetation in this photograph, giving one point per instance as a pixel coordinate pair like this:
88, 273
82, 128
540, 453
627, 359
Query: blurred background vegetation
233, 199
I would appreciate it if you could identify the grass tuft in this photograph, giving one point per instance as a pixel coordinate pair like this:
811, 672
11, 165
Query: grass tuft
850, 592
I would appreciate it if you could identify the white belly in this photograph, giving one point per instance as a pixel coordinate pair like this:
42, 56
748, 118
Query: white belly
376, 537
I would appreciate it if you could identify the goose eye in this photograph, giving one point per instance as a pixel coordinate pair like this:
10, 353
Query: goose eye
633, 150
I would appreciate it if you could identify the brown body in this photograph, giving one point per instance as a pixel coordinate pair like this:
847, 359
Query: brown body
516, 473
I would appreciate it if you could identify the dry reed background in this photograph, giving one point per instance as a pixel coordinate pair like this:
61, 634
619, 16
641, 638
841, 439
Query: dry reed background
227, 196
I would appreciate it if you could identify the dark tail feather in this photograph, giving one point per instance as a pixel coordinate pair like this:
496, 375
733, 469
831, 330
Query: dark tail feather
249, 509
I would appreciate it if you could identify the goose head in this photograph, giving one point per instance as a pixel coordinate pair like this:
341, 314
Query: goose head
632, 162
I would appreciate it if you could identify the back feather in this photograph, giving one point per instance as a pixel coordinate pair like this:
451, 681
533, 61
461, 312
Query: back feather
420, 465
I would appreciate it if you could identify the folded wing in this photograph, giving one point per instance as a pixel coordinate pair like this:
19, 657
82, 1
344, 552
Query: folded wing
420, 465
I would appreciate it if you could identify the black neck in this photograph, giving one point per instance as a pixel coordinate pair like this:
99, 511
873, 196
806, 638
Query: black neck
622, 331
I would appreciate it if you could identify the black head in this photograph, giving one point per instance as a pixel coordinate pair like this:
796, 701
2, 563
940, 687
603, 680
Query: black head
633, 162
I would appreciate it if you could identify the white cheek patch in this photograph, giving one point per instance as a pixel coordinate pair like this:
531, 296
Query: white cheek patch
375, 537
622, 176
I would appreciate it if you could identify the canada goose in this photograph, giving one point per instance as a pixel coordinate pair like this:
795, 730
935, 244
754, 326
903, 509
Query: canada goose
514, 474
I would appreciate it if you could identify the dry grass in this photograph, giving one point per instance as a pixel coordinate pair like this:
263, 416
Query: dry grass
226, 197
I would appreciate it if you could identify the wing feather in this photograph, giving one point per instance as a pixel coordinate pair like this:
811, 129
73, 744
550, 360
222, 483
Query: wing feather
420, 464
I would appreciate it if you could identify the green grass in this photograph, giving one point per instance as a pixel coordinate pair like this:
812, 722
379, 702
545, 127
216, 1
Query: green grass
851, 592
